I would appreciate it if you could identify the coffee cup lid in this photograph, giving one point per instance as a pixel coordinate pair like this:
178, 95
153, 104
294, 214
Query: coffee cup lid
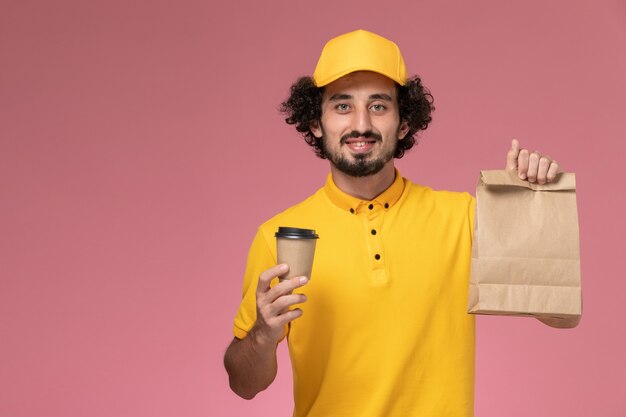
296, 233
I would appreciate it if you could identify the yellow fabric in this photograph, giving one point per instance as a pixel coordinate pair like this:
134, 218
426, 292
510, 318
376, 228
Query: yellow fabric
379, 337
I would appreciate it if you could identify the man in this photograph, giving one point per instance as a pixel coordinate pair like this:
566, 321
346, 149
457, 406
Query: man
383, 329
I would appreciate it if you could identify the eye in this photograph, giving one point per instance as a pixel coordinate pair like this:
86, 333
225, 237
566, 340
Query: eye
378, 107
342, 107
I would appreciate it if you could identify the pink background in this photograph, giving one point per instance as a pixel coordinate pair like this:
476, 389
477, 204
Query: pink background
140, 147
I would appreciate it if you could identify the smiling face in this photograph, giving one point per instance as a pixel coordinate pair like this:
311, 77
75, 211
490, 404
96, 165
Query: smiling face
360, 123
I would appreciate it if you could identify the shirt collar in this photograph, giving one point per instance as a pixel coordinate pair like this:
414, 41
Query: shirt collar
344, 201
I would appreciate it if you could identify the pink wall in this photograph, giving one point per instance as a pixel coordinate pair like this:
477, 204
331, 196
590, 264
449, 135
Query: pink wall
140, 147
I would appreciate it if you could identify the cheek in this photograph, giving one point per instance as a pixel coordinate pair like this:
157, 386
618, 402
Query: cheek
389, 127
334, 124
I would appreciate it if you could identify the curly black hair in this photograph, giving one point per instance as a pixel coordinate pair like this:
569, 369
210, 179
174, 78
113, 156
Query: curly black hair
304, 106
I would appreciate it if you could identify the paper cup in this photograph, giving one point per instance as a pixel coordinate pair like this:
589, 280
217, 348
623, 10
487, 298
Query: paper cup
296, 248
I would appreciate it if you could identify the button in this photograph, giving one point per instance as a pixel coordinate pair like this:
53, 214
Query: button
371, 206
386, 205
352, 210
373, 231
377, 256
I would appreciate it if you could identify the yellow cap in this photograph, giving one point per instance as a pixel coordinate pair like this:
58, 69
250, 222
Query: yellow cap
359, 51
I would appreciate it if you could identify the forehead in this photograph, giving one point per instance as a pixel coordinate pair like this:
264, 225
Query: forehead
361, 83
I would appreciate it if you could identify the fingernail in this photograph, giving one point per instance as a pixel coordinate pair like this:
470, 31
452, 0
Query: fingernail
303, 280
283, 267
522, 176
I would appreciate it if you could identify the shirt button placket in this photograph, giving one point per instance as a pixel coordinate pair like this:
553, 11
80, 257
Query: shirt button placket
374, 222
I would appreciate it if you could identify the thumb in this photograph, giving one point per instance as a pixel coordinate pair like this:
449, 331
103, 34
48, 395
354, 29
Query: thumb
511, 156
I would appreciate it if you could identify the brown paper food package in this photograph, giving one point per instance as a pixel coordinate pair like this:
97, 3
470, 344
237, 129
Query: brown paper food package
525, 252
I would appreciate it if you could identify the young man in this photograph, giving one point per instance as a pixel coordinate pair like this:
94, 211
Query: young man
383, 329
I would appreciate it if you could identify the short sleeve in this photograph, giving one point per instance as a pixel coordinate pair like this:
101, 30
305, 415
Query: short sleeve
260, 258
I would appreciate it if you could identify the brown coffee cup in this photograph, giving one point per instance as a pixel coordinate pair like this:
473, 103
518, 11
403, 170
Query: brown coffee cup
296, 248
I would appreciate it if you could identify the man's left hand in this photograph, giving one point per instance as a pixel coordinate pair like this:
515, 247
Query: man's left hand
533, 167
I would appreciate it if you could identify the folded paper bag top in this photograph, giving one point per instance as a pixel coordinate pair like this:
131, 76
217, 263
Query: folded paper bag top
525, 253
563, 182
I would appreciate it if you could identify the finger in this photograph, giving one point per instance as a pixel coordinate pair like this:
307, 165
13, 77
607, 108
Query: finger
511, 156
283, 303
268, 275
272, 325
522, 164
286, 286
554, 169
533, 166
288, 316
542, 171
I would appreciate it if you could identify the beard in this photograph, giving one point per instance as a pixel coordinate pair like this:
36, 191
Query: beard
362, 165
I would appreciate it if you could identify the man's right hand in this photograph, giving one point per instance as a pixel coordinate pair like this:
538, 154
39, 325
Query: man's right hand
273, 305
251, 362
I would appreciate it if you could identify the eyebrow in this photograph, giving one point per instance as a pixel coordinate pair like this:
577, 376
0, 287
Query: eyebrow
337, 97
381, 96
377, 96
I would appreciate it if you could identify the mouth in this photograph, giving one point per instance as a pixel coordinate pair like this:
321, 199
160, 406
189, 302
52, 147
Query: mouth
360, 144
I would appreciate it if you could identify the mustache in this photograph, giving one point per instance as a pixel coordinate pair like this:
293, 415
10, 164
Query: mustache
356, 134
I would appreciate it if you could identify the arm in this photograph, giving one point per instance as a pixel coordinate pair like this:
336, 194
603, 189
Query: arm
251, 365
542, 169
251, 361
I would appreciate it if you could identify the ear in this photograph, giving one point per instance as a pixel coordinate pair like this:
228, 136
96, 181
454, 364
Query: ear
315, 129
403, 130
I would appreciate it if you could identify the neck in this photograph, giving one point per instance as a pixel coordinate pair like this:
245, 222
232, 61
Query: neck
365, 188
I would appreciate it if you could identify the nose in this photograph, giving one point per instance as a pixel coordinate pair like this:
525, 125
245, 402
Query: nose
362, 120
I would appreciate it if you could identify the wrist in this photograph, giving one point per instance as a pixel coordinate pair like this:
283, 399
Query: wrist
261, 341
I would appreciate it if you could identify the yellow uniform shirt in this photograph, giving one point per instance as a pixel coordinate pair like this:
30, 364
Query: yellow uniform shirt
385, 332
